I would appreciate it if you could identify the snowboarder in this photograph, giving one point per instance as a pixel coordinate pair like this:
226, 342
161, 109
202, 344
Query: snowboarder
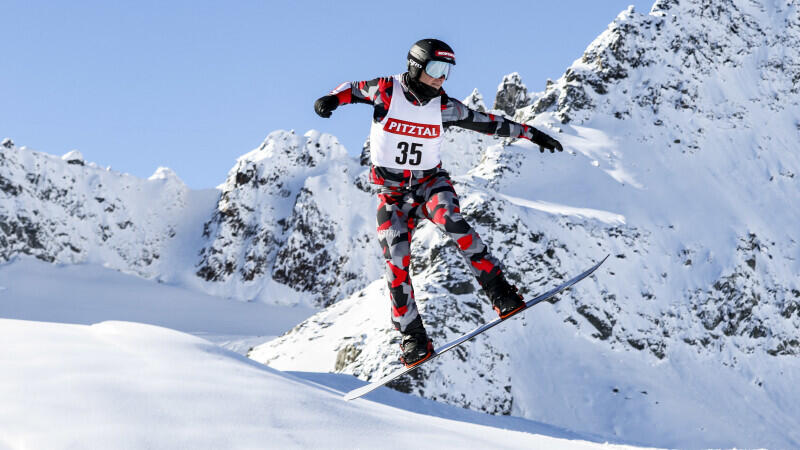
410, 110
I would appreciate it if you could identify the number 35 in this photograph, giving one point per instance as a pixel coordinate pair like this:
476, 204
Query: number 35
416, 153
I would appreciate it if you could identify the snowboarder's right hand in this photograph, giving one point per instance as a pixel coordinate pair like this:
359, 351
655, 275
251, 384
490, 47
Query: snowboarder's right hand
324, 106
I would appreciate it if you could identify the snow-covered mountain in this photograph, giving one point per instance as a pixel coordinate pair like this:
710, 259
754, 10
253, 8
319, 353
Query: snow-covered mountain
63, 210
681, 129
291, 212
683, 125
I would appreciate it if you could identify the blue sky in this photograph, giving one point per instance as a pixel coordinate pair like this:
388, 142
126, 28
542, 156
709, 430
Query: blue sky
192, 85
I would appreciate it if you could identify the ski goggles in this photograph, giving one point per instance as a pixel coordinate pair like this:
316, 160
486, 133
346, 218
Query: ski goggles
438, 69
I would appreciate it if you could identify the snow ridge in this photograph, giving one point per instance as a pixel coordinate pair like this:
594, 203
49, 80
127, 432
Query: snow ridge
67, 211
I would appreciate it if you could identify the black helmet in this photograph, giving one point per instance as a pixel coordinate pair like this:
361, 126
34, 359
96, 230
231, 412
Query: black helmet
426, 50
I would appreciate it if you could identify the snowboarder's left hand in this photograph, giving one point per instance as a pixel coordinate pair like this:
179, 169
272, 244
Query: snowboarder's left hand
545, 142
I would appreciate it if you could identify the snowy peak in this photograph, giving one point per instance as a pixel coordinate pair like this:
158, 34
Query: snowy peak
165, 174
664, 59
289, 211
69, 211
511, 94
475, 101
74, 157
690, 115
282, 155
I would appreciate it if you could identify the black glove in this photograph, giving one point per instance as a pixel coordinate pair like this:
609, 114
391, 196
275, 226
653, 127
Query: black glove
545, 142
324, 106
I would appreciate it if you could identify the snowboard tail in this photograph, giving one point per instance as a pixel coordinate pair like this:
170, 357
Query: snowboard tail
356, 393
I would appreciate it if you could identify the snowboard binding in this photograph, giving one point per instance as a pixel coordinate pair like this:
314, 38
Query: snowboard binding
417, 348
506, 301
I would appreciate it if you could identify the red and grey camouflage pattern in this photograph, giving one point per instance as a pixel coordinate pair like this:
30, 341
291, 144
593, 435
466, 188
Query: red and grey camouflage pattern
409, 195
435, 199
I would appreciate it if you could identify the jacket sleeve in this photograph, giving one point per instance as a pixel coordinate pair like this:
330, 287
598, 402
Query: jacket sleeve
371, 92
455, 113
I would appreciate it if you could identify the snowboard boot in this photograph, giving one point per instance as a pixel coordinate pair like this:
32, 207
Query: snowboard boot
504, 297
416, 345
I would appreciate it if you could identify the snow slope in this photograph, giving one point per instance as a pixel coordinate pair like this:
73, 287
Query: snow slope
94, 358
127, 385
85, 294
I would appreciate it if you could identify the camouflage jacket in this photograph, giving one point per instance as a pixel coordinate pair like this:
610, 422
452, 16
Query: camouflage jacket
378, 93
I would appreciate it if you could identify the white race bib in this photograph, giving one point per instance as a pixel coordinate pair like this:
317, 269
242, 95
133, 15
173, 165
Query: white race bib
410, 136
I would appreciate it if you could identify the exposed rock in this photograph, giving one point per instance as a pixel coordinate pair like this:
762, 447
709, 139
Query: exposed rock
74, 157
290, 211
511, 94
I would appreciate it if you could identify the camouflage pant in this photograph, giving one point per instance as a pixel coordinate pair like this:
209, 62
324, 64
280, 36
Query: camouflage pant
400, 207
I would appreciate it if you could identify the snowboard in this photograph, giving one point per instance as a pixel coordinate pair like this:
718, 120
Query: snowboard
356, 393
